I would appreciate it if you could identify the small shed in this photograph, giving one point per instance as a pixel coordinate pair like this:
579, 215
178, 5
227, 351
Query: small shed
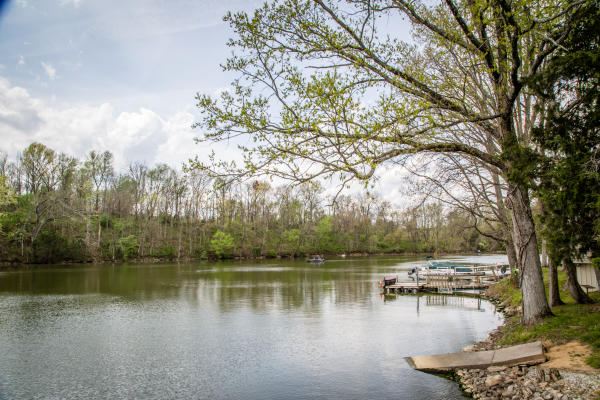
588, 276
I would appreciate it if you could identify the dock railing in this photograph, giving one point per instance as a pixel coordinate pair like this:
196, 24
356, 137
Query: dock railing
450, 280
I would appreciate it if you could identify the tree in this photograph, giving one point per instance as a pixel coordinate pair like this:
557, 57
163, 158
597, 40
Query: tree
467, 184
324, 241
221, 244
569, 177
40, 167
98, 167
128, 247
100, 170
325, 91
7, 197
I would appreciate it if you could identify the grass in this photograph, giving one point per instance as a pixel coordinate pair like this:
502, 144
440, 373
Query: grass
571, 322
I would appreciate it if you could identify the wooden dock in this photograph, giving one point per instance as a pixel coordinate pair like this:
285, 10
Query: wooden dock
440, 284
404, 287
449, 282
522, 354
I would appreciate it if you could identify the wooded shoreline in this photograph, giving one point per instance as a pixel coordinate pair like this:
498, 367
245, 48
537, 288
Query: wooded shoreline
61, 209
7, 265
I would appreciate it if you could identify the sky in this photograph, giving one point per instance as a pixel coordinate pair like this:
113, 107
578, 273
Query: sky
82, 75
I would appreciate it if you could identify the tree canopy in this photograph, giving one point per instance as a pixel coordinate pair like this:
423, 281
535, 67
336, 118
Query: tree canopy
159, 212
569, 173
7, 196
331, 89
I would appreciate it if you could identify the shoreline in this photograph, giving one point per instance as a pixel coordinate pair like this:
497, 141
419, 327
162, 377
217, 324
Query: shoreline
7, 265
537, 382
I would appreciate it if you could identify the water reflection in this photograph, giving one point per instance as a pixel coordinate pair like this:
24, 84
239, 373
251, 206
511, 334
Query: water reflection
461, 302
293, 286
264, 330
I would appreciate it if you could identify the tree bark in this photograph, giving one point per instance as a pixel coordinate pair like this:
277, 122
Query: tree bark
513, 262
99, 242
545, 260
553, 293
503, 215
573, 286
535, 304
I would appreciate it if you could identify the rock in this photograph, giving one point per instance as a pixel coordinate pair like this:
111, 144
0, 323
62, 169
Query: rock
493, 380
496, 369
554, 374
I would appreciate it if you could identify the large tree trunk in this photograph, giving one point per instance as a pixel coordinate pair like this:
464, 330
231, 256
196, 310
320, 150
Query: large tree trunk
575, 290
513, 262
535, 304
553, 293
503, 213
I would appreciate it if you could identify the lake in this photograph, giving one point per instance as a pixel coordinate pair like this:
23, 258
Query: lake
269, 329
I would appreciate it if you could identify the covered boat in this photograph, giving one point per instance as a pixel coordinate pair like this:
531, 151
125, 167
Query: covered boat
444, 268
389, 281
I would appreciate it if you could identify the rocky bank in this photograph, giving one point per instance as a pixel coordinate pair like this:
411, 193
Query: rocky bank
525, 382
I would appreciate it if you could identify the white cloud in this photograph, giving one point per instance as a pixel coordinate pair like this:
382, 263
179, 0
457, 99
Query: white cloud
17, 111
21, 60
142, 135
74, 3
22, 3
50, 70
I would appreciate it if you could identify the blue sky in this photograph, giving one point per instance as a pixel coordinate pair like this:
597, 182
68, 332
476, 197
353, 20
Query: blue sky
82, 75
110, 75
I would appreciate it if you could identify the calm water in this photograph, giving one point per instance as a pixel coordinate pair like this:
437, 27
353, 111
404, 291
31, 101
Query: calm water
229, 330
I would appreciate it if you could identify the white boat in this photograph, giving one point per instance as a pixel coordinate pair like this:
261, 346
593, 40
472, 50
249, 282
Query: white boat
443, 268
450, 268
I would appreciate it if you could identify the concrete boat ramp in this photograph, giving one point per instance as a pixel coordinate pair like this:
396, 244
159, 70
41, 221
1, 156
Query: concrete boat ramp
529, 353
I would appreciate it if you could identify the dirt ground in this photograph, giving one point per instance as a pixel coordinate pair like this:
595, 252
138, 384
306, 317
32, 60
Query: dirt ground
569, 356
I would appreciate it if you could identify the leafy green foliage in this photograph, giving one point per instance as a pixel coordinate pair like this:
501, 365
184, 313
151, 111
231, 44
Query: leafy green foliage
7, 198
221, 244
128, 247
291, 239
165, 251
50, 248
158, 213
569, 175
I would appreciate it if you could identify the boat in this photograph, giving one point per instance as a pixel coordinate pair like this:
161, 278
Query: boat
317, 260
387, 282
450, 268
445, 268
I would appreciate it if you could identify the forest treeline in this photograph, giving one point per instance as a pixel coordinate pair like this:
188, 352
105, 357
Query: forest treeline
57, 208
